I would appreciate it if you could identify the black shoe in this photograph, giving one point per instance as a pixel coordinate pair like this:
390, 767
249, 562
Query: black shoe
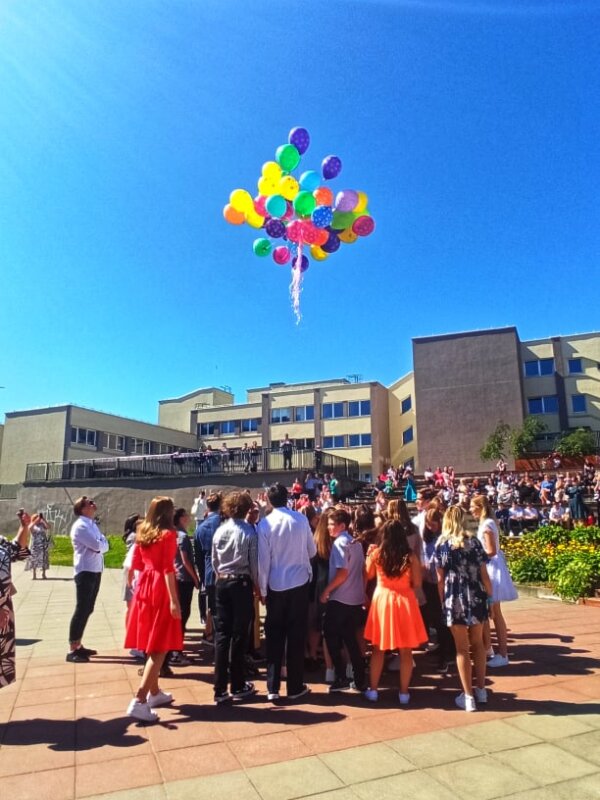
77, 657
246, 691
223, 697
166, 672
297, 695
87, 652
340, 685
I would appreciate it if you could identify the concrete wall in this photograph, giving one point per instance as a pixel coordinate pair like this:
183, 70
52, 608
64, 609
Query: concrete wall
400, 422
465, 384
30, 437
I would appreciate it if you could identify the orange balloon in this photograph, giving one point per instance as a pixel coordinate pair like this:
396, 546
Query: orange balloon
348, 236
321, 236
232, 216
324, 196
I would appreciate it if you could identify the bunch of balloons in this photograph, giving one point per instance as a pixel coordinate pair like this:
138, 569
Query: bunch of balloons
300, 215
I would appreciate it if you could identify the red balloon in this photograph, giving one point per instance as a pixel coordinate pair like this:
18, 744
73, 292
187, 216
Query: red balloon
322, 236
309, 233
294, 231
259, 205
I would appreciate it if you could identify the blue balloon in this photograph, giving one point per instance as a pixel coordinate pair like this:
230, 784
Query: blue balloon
332, 244
304, 263
275, 228
300, 138
322, 216
310, 180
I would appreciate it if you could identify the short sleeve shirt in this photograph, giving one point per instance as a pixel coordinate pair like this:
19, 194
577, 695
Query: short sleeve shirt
346, 553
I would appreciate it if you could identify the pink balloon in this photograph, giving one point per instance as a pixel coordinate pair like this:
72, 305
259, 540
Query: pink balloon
259, 205
295, 231
310, 233
290, 211
281, 255
363, 226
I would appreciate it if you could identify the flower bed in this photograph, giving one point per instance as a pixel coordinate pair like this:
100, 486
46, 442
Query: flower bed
567, 561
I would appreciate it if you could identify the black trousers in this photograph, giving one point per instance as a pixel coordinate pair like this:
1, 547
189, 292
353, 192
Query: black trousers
340, 628
233, 613
185, 590
87, 585
285, 629
287, 460
433, 618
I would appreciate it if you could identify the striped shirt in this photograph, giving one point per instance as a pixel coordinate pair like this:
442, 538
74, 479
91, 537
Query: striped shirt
235, 549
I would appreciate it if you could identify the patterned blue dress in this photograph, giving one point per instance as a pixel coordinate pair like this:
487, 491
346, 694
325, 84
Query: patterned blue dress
465, 597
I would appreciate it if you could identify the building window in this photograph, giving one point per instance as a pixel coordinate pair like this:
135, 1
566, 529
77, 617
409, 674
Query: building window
541, 366
304, 413
249, 425
333, 410
279, 415
206, 429
330, 442
164, 449
543, 405
359, 408
575, 366
84, 436
579, 403
113, 442
359, 440
406, 405
407, 435
305, 444
227, 426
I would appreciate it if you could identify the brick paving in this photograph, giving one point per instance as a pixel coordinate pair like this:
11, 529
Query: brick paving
63, 733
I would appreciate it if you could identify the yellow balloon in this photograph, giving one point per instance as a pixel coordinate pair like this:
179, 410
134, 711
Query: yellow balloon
317, 253
254, 219
348, 236
271, 170
362, 202
241, 200
267, 187
288, 187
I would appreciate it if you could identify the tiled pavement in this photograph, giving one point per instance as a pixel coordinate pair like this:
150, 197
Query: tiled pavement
63, 733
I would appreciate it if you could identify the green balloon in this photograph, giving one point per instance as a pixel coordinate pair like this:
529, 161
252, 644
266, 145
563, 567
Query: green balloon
287, 156
261, 247
343, 220
304, 204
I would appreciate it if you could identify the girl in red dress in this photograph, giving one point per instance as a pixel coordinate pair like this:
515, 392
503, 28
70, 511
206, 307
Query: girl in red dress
154, 623
394, 620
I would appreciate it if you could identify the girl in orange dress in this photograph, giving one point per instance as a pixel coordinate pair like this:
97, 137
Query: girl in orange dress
394, 620
154, 623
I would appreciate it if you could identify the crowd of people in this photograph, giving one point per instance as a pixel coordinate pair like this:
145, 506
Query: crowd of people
348, 589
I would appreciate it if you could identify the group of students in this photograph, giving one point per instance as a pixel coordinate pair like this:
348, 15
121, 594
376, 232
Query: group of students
333, 577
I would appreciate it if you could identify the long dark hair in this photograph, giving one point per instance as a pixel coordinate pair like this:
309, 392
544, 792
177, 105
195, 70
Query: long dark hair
394, 550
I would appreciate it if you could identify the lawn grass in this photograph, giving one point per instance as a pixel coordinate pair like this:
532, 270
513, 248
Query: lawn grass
61, 555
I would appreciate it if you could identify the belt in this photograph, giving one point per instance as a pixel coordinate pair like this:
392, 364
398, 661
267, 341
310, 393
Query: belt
231, 576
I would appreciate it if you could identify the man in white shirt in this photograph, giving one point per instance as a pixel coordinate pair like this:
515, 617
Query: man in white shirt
285, 548
89, 546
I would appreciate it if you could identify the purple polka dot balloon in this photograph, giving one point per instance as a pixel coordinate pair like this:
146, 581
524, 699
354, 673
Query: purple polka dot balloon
303, 263
300, 138
332, 244
331, 167
275, 228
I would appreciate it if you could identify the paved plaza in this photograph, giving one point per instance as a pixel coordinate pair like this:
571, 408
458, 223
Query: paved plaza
63, 732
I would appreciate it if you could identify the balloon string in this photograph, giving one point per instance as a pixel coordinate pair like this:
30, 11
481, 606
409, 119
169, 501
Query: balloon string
296, 284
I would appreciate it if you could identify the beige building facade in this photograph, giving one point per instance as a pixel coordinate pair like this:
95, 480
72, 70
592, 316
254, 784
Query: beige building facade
461, 386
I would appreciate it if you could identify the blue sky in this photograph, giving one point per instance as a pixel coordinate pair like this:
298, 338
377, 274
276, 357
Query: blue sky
125, 124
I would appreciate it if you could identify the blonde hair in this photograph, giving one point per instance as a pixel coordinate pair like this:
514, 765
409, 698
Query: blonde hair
453, 528
159, 518
482, 504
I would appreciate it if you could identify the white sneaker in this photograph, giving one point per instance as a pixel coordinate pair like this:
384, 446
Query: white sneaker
403, 699
329, 675
498, 661
481, 695
159, 699
466, 702
271, 696
141, 711
372, 695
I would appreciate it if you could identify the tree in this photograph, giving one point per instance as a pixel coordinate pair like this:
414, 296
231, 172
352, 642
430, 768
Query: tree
577, 443
521, 439
494, 446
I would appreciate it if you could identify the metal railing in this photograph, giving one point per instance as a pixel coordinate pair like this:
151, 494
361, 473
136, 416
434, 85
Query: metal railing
201, 463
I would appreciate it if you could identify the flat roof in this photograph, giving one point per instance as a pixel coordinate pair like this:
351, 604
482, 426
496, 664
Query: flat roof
283, 385
194, 393
464, 334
